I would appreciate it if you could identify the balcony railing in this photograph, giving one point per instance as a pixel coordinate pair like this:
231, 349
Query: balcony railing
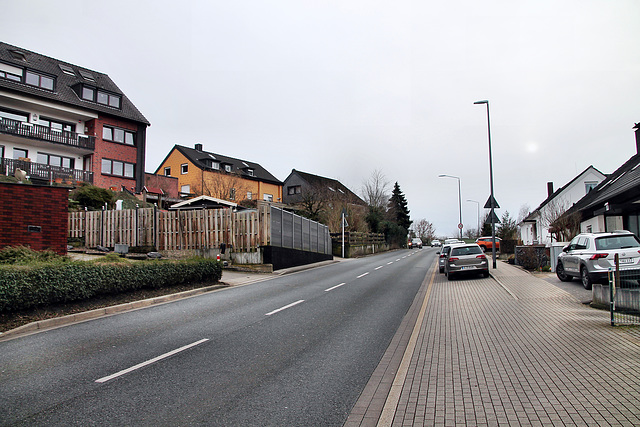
40, 171
44, 133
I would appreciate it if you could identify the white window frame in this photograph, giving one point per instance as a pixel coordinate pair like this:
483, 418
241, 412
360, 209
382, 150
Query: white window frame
184, 168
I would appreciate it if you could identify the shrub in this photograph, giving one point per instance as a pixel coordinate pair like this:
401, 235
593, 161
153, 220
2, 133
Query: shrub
24, 255
25, 287
92, 197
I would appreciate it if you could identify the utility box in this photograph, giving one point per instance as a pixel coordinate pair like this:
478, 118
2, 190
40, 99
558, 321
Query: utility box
556, 249
121, 249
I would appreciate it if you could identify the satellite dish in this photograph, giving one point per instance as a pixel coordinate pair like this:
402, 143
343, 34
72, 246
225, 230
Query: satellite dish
20, 174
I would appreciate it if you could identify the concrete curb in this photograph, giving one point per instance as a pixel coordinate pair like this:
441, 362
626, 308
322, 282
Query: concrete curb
55, 322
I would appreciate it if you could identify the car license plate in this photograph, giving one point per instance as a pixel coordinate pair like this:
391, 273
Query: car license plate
467, 267
626, 260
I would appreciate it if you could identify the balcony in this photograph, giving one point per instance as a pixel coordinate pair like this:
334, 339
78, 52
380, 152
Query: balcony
42, 172
43, 133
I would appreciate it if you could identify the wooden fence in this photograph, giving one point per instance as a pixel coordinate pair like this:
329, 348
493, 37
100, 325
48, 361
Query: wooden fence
173, 230
356, 238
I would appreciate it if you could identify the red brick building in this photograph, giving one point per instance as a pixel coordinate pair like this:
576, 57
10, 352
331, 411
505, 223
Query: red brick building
60, 122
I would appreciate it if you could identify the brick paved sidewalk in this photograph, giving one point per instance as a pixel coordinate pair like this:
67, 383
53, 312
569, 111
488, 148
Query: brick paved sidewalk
507, 350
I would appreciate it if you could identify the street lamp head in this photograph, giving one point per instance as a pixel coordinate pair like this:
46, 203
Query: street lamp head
481, 102
448, 176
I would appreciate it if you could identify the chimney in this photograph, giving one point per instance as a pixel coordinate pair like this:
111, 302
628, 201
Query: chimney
550, 188
198, 147
637, 128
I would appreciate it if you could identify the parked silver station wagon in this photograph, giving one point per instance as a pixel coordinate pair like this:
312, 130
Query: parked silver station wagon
466, 258
589, 256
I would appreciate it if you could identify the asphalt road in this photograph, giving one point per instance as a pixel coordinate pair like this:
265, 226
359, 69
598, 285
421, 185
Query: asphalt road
296, 350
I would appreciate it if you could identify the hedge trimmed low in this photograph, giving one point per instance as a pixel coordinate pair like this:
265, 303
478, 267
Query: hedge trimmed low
25, 287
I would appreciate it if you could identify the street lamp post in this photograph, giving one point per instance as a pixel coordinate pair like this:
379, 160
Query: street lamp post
492, 199
477, 203
459, 200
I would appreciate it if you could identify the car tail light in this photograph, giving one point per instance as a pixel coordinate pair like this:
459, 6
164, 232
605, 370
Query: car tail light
482, 256
453, 259
598, 256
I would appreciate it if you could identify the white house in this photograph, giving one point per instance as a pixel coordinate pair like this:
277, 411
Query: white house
615, 203
534, 229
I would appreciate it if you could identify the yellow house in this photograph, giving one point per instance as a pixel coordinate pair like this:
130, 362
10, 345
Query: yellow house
201, 173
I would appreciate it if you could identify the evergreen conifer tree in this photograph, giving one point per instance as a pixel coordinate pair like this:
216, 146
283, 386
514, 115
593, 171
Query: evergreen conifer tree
398, 211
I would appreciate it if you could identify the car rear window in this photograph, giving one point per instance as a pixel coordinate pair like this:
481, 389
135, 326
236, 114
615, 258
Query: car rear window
617, 242
466, 250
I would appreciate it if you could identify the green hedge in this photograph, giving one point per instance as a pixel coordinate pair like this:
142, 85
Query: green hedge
25, 287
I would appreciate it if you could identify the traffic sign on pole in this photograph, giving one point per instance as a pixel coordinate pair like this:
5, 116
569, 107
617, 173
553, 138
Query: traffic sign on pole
492, 215
488, 204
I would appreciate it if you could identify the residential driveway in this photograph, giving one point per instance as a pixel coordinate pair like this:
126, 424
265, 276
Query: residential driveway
573, 287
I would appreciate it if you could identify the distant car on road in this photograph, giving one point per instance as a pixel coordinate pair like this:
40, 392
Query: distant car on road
449, 241
466, 258
435, 243
415, 243
486, 243
589, 256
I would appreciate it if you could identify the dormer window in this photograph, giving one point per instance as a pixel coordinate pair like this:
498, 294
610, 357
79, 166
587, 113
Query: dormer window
39, 80
227, 168
101, 97
11, 72
250, 172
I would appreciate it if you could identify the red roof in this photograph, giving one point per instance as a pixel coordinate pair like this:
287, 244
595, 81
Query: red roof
153, 190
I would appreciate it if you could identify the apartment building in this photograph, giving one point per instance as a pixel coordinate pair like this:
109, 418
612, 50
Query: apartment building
63, 123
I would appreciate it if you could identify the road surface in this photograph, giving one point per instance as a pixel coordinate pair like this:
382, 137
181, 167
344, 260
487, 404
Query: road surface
295, 350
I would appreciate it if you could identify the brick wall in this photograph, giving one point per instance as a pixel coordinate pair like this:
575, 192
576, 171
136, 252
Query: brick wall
113, 151
168, 184
34, 216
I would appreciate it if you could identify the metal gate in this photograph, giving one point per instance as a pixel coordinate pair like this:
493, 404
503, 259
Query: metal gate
624, 295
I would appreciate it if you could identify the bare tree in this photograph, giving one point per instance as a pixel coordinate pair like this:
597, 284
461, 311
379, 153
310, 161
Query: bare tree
471, 233
225, 186
314, 202
564, 226
525, 210
424, 230
375, 191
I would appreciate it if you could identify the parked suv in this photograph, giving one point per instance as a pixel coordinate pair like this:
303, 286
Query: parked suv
486, 243
466, 258
589, 256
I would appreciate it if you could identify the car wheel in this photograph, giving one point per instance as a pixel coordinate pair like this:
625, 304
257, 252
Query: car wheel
450, 276
562, 275
586, 281
485, 273
441, 270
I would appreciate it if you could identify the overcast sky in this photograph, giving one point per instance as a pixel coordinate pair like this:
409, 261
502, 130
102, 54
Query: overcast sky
342, 88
